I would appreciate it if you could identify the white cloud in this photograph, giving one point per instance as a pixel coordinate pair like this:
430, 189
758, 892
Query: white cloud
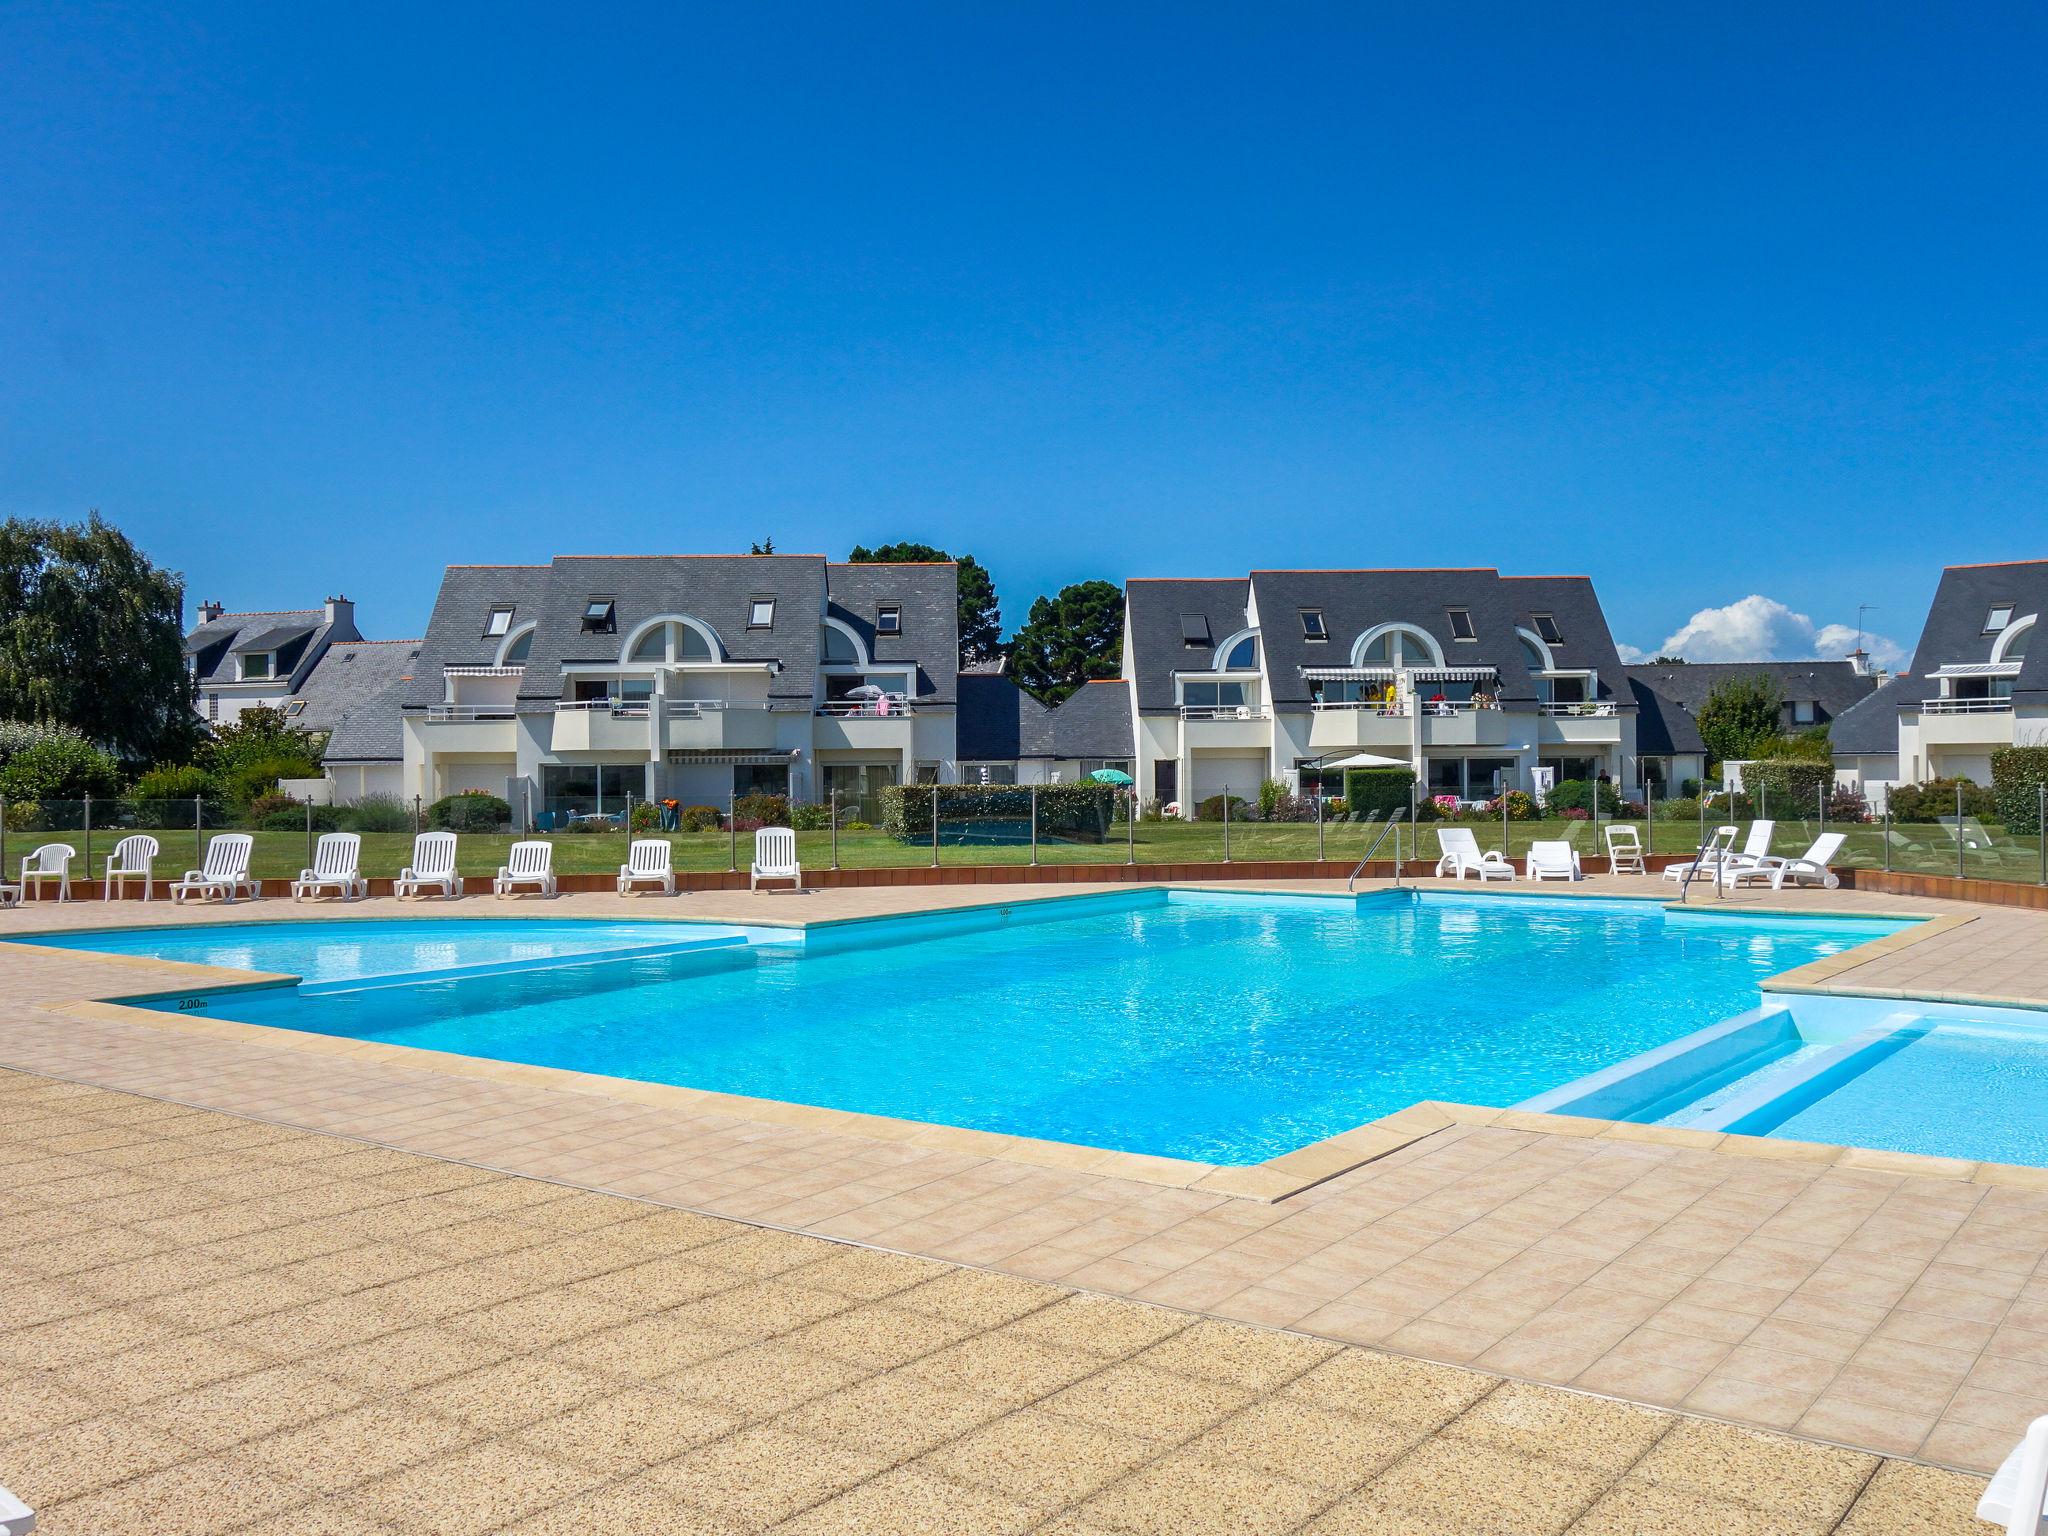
1759, 628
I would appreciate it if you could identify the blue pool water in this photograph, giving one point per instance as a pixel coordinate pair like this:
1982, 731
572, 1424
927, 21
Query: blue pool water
338, 951
1224, 1027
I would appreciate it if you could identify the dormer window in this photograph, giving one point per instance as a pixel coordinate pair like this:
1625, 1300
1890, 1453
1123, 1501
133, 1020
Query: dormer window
1312, 625
600, 617
1194, 630
1461, 624
257, 666
889, 619
1546, 627
761, 613
517, 652
1998, 618
498, 624
1244, 656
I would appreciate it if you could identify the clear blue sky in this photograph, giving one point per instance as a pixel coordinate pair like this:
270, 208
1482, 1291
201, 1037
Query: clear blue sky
1705, 302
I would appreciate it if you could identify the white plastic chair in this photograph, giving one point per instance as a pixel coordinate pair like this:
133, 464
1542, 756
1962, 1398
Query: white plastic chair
529, 863
1810, 868
775, 858
1461, 856
337, 860
225, 873
1756, 847
16, 1518
133, 858
1707, 860
2018, 1491
52, 861
1624, 851
648, 859
432, 867
1552, 859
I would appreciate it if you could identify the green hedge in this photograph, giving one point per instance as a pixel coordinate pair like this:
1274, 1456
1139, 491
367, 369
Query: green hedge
1076, 812
1579, 794
1794, 787
1937, 798
470, 811
2017, 774
1378, 792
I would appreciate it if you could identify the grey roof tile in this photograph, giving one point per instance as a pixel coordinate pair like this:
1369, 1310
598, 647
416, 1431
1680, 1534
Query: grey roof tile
1833, 686
1955, 632
353, 693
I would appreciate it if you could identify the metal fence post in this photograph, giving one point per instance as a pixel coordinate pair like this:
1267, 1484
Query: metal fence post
1319, 819
1034, 826
3, 838
198, 836
833, 801
1962, 844
88, 837
2040, 826
935, 826
1504, 823
1887, 839
1820, 795
1226, 823
732, 827
418, 816
1131, 828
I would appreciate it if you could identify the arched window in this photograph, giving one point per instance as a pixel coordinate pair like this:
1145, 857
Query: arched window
2016, 647
1538, 662
668, 642
1397, 645
517, 649
836, 645
2011, 645
1244, 656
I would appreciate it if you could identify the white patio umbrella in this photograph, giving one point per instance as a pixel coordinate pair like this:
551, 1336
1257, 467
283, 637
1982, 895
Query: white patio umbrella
1367, 760
864, 691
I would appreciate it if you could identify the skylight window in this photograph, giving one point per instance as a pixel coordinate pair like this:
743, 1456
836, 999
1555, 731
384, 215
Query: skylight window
1194, 629
1461, 624
600, 617
1546, 626
889, 619
498, 623
1312, 625
1998, 618
293, 708
761, 613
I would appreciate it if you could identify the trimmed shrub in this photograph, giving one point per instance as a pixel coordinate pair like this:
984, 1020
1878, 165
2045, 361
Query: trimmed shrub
59, 766
1271, 793
245, 782
1521, 805
380, 813
1847, 805
646, 816
999, 813
1685, 808
1569, 795
1211, 809
700, 818
474, 810
1385, 790
265, 806
1937, 798
810, 818
1788, 785
750, 813
2017, 774
176, 781
291, 817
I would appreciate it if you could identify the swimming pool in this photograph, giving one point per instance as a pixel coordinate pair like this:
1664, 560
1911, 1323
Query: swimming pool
344, 951
1217, 1026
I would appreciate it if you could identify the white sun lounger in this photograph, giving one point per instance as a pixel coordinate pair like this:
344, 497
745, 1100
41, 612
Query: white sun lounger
1624, 851
2019, 1489
649, 859
432, 867
52, 861
1810, 868
226, 871
1708, 859
336, 867
133, 858
775, 858
1461, 856
1552, 859
1756, 847
528, 864
16, 1518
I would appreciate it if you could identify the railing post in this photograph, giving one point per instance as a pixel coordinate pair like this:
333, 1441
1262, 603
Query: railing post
1962, 844
309, 831
419, 821
198, 835
1319, 819
1504, 836
1887, 839
732, 827
3, 838
832, 800
88, 837
1131, 828
935, 826
1034, 826
1226, 823
2040, 827
1820, 795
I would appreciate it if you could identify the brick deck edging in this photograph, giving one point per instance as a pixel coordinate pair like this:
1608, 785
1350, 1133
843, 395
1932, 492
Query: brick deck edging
1996, 893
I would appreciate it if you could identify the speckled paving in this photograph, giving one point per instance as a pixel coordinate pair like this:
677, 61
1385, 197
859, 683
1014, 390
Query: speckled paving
213, 1324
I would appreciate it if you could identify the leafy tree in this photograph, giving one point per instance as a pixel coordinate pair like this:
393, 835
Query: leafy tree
981, 616
1668, 661
1739, 717
762, 546
92, 636
1068, 639
251, 753
62, 765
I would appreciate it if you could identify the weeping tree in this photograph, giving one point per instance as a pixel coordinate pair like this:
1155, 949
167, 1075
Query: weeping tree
92, 637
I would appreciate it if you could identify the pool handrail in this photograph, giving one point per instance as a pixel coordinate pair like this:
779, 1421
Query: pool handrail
1394, 826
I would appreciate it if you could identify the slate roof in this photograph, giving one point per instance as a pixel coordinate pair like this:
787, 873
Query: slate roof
1153, 614
1833, 685
297, 634
1870, 727
1000, 722
1954, 632
718, 590
1353, 602
1575, 608
995, 719
1663, 729
353, 693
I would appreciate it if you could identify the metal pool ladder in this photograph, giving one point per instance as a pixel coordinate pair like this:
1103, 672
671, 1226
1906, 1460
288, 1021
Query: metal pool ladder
1393, 826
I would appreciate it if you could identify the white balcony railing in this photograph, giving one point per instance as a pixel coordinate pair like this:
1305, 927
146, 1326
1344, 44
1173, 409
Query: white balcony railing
1444, 708
694, 709
445, 712
621, 709
483, 671
1396, 707
1966, 706
865, 709
1587, 711
1223, 712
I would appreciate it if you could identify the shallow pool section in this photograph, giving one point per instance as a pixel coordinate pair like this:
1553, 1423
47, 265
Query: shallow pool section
1219, 1026
1940, 1079
342, 951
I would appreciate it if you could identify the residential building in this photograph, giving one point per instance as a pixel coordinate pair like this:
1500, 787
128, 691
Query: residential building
1976, 684
1475, 680
572, 686
352, 696
1810, 693
1007, 737
239, 661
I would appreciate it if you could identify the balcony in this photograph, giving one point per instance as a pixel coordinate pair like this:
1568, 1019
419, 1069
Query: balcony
600, 725
1226, 725
1966, 722
845, 725
1346, 724
717, 725
1593, 725
447, 728
1462, 723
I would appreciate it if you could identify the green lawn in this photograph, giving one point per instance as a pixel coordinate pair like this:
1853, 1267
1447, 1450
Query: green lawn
280, 855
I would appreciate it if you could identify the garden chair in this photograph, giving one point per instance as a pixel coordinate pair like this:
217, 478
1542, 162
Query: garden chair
1810, 868
2015, 1497
225, 873
529, 863
52, 861
1461, 856
775, 858
648, 859
133, 858
16, 1518
1755, 848
1552, 859
1707, 860
432, 867
1624, 851
337, 858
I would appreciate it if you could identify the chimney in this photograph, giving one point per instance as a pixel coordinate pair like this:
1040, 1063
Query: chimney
342, 613
210, 610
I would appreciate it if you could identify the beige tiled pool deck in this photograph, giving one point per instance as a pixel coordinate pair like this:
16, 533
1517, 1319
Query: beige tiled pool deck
237, 1324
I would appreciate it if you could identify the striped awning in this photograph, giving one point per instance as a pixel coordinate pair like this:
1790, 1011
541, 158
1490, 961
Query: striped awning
757, 759
1347, 674
1454, 674
1978, 669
